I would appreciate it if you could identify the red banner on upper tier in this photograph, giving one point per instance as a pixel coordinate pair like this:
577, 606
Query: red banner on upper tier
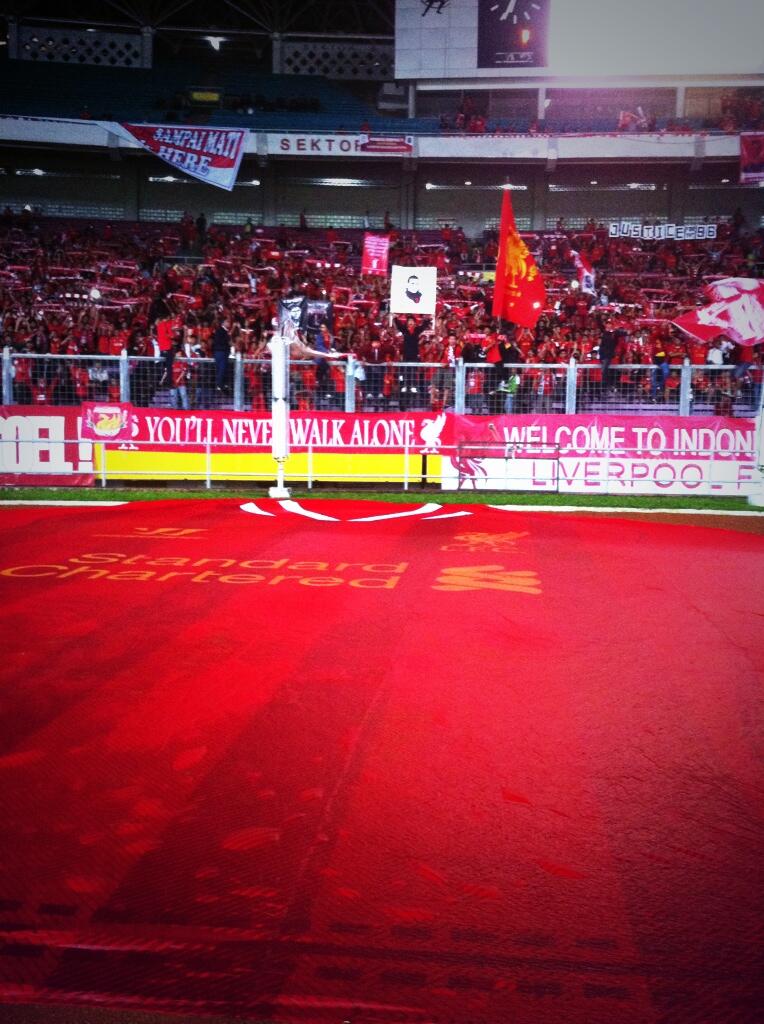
751, 157
376, 249
209, 154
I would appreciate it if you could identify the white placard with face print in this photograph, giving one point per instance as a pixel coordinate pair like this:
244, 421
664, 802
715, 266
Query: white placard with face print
413, 290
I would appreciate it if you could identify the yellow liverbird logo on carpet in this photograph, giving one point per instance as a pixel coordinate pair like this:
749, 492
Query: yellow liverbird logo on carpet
487, 577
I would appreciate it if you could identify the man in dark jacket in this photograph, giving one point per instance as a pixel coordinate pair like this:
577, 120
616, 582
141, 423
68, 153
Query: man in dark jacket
411, 377
221, 350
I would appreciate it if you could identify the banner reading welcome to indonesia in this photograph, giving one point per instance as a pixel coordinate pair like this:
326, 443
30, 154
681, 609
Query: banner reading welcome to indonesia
751, 158
601, 454
208, 154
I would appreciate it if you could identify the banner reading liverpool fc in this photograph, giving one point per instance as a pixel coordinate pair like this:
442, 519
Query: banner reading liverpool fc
519, 295
209, 154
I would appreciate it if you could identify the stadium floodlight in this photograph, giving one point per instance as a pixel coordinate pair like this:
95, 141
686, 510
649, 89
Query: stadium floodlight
95, 294
215, 42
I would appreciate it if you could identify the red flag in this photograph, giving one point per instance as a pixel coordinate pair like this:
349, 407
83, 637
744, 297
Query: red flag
519, 295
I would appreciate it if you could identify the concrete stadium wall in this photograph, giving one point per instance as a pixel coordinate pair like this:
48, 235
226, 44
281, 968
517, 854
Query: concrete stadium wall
340, 192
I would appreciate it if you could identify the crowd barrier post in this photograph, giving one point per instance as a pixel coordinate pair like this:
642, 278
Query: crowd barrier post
238, 383
310, 466
208, 465
103, 463
406, 467
350, 384
124, 377
7, 377
459, 387
570, 389
685, 389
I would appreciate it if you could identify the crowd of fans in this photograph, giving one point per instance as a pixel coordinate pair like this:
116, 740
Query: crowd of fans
739, 110
75, 288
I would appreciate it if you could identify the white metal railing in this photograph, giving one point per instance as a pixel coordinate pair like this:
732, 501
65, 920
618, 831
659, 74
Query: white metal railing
29, 379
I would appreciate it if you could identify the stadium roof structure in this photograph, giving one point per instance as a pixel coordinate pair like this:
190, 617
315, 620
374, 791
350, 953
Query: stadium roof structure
245, 17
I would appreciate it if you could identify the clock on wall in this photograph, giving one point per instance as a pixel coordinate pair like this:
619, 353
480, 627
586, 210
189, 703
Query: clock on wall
512, 33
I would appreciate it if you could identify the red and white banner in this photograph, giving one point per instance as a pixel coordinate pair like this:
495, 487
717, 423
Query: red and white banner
42, 448
585, 271
601, 454
120, 422
736, 310
337, 144
381, 144
376, 249
575, 454
209, 154
751, 157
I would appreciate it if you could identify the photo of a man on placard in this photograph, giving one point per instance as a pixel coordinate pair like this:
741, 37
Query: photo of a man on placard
413, 290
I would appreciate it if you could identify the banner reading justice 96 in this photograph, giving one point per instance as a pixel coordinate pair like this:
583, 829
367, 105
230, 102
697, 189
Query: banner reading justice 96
209, 154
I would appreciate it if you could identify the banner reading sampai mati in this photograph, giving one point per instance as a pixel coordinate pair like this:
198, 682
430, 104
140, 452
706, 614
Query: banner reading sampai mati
209, 154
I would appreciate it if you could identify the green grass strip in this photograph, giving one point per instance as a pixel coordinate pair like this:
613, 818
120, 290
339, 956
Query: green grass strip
662, 502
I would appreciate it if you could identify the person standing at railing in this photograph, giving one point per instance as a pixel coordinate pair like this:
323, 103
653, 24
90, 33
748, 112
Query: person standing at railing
375, 354
410, 378
608, 346
743, 359
221, 351
657, 350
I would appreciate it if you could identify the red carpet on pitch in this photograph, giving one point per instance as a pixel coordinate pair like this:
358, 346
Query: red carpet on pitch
328, 761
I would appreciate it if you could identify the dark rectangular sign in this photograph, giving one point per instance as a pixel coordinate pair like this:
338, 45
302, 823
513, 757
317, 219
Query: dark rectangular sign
512, 33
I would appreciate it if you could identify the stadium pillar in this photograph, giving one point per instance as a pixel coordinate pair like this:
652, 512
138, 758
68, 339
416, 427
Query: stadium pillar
459, 389
756, 497
539, 202
685, 389
7, 377
541, 103
238, 383
276, 53
124, 377
350, 384
147, 46
570, 389
681, 94
13, 39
